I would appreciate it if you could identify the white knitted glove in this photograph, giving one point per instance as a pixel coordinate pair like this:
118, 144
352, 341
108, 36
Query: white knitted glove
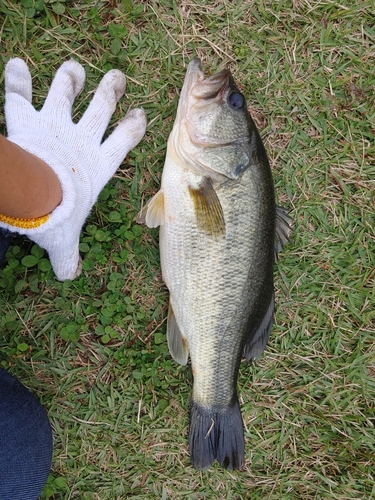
75, 152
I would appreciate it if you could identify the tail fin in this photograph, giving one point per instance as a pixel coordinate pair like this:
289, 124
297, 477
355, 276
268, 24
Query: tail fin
216, 434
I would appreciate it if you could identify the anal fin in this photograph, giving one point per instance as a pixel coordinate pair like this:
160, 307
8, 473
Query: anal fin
177, 343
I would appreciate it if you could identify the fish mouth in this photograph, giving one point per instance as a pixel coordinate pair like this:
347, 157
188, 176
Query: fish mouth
197, 86
205, 88
197, 91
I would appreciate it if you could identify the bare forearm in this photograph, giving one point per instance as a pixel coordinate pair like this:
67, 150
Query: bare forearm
29, 188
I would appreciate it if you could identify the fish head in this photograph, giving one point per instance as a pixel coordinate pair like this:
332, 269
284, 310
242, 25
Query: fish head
213, 131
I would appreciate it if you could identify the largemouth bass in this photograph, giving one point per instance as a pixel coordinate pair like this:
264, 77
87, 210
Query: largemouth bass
219, 232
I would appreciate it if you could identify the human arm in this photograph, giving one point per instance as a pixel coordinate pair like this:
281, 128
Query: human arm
29, 188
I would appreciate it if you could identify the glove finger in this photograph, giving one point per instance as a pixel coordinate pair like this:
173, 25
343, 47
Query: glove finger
97, 116
18, 79
62, 245
125, 137
67, 84
66, 262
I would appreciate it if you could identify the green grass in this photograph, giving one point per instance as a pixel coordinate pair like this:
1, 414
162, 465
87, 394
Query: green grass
94, 349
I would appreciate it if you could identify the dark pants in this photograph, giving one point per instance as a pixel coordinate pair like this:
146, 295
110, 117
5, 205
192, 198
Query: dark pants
5, 238
25, 442
25, 432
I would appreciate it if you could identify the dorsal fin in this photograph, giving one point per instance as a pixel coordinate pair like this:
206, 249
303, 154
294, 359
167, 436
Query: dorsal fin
283, 229
255, 346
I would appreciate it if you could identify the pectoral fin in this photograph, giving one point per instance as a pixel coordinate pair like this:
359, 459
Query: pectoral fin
177, 343
283, 229
255, 346
208, 210
152, 214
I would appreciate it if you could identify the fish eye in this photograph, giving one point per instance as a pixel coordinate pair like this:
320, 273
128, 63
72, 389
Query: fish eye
236, 100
